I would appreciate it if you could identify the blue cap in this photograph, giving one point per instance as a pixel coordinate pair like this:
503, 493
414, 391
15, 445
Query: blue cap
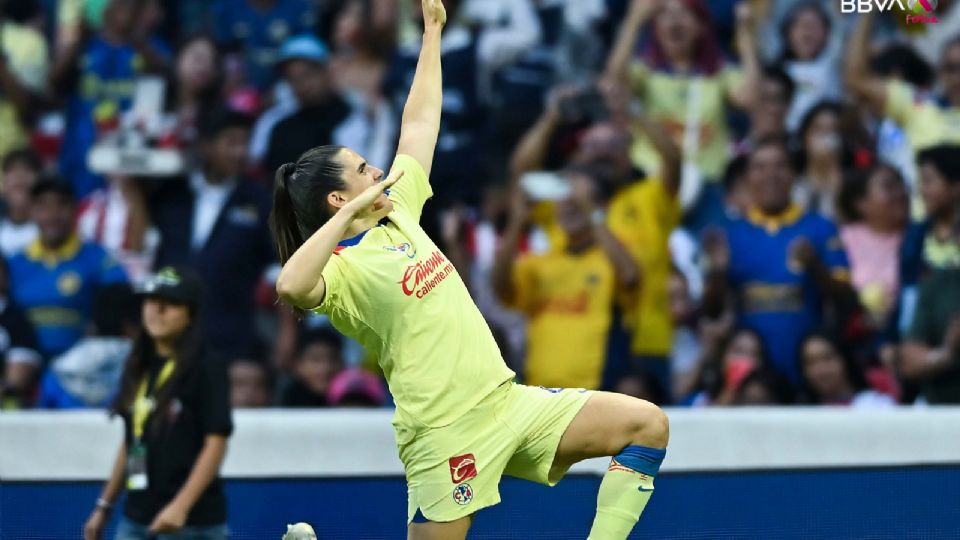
304, 47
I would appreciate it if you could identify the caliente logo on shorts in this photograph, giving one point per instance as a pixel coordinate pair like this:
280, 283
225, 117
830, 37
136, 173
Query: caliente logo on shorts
463, 494
463, 468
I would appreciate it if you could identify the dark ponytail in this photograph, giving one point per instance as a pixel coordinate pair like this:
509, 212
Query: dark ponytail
300, 197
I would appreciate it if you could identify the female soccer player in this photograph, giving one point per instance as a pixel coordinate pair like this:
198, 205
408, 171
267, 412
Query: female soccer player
353, 249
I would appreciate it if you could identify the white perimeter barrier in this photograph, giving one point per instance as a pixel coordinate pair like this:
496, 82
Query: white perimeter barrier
277, 443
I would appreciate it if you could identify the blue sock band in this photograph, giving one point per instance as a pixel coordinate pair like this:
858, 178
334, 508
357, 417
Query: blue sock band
642, 459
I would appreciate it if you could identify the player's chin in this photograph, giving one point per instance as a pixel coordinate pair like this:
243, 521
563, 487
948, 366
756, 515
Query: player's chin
385, 205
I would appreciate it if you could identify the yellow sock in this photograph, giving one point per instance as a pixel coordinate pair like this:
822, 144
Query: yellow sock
624, 492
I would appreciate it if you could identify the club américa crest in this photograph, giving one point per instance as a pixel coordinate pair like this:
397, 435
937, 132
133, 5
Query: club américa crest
462, 494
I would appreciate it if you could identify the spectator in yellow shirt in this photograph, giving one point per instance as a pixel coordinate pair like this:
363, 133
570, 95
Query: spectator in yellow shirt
567, 293
685, 85
23, 72
642, 213
927, 119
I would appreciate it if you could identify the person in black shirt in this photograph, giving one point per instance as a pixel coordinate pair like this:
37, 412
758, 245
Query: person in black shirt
174, 400
319, 359
322, 111
19, 356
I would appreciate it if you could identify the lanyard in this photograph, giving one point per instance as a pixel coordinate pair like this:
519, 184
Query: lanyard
143, 405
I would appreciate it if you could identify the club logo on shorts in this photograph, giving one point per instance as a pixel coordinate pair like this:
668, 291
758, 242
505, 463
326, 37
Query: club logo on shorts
463, 494
463, 468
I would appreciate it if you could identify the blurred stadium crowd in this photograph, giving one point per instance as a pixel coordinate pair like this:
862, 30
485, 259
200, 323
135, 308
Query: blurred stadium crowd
699, 203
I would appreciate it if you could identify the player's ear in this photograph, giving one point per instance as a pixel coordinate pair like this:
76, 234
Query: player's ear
336, 199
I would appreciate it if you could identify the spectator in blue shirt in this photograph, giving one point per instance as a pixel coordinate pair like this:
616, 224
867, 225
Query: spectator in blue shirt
780, 264
97, 77
56, 277
258, 28
88, 375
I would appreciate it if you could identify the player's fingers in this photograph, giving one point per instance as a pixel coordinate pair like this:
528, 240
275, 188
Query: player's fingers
391, 179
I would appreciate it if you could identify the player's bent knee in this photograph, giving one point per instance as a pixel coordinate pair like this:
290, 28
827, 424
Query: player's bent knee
652, 427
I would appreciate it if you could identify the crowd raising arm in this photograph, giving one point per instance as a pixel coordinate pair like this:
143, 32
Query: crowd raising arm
856, 73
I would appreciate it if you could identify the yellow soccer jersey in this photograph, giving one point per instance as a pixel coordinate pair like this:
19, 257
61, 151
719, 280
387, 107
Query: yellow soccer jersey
568, 300
395, 292
642, 216
666, 97
926, 122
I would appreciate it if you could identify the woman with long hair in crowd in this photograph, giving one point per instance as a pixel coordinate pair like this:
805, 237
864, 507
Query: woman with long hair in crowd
726, 364
831, 377
175, 403
197, 83
684, 83
875, 210
824, 155
811, 44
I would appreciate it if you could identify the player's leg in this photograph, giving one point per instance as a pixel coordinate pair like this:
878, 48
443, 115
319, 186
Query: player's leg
635, 433
454, 530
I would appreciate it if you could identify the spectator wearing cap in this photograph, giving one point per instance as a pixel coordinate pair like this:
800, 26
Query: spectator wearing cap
96, 76
323, 116
355, 387
21, 168
215, 221
56, 278
257, 29
319, 359
174, 399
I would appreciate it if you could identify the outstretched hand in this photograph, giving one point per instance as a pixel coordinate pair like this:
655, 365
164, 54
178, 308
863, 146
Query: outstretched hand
434, 14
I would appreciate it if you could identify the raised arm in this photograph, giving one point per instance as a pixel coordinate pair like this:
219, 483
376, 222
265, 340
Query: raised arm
856, 72
420, 124
624, 267
670, 155
745, 93
502, 272
618, 62
531, 152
